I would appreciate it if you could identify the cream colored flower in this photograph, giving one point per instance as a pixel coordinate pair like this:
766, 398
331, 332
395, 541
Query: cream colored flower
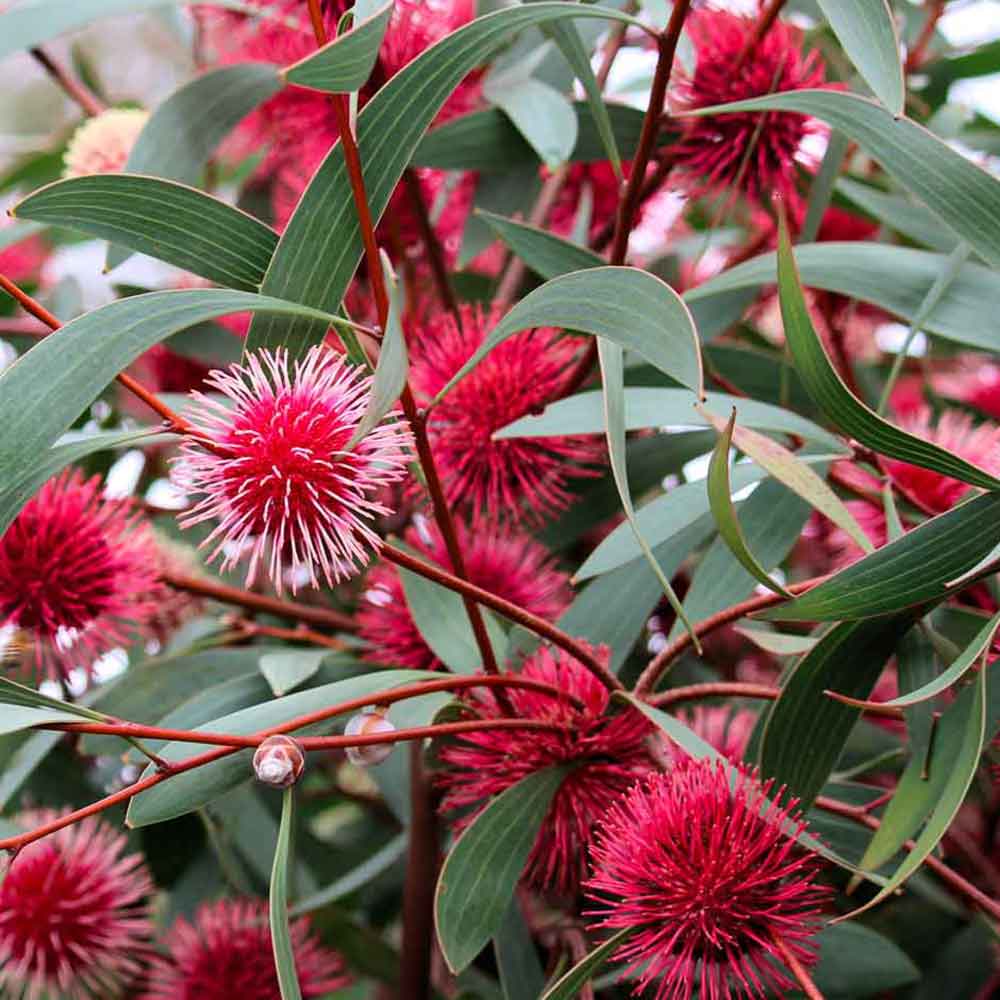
102, 144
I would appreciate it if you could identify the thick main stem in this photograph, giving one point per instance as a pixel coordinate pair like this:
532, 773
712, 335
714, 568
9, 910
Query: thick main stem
439, 504
418, 889
797, 969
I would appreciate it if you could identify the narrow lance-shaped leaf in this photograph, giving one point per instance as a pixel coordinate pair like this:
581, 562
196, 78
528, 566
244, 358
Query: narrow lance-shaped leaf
915, 569
721, 503
480, 874
867, 31
628, 307
835, 399
345, 63
611, 361
958, 191
806, 730
166, 220
393, 365
956, 750
571, 983
281, 934
789, 469
321, 246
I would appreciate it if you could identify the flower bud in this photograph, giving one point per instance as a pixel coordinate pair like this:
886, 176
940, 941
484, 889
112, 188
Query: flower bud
371, 722
278, 761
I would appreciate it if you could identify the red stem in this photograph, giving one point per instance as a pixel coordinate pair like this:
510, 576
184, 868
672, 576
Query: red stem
656, 667
762, 27
516, 614
946, 874
92, 105
225, 594
797, 969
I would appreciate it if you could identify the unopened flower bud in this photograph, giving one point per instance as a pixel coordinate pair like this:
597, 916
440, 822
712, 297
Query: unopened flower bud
278, 761
369, 723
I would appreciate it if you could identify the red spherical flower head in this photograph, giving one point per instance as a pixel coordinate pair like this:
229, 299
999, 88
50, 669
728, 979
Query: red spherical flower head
746, 150
22, 261
226, 955
505, 562
956, 433
597, 181
509, 478
707, 876
607, 753
279, 475
78, 574
74, 921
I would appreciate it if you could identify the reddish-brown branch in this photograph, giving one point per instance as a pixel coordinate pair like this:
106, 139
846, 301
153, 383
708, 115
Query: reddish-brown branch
225, 594
516, 614
738, 689
300, 633
947, 875
917, 56
435, 252
763, 26
655, 668
797, 969
73, 88
632, 196
175, 421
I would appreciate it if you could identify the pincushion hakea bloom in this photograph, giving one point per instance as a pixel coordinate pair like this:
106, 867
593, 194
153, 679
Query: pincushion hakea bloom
608, 752
707, 876
225, 954
102, 144
74, 921
280, 478
515, 478
957, 433
78, 574
503, 561
745, 151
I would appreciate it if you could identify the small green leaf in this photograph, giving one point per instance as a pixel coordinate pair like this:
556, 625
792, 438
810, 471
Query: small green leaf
867, 31
542, 252
915, 569
570, 984
17, 695
955, 753
855, 961
487, 141
721, 502
169, 221
345, 63
628, 307
540, 113
836, 400
392, 367
440, 617
521, 976
778, 643
806, 730
285, 672
14, 718
480, 874
281, 934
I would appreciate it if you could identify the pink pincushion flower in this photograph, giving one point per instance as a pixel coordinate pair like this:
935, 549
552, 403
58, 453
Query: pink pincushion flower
22, 261
956, 433
608, 751
78, 573
498, 559
604, 188
102, 145
226, 954
825, 548
708, 875
278, 474
74, 921
525, 478
744, 151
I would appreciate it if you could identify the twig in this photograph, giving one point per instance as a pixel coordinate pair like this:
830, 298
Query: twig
91, 104
797, 969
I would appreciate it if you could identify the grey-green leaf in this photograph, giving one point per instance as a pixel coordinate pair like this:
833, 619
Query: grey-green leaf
480, 874
631, 308
867, 31
281, 934
571, 982
286, 671
166, 220
540, 113
345, 63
